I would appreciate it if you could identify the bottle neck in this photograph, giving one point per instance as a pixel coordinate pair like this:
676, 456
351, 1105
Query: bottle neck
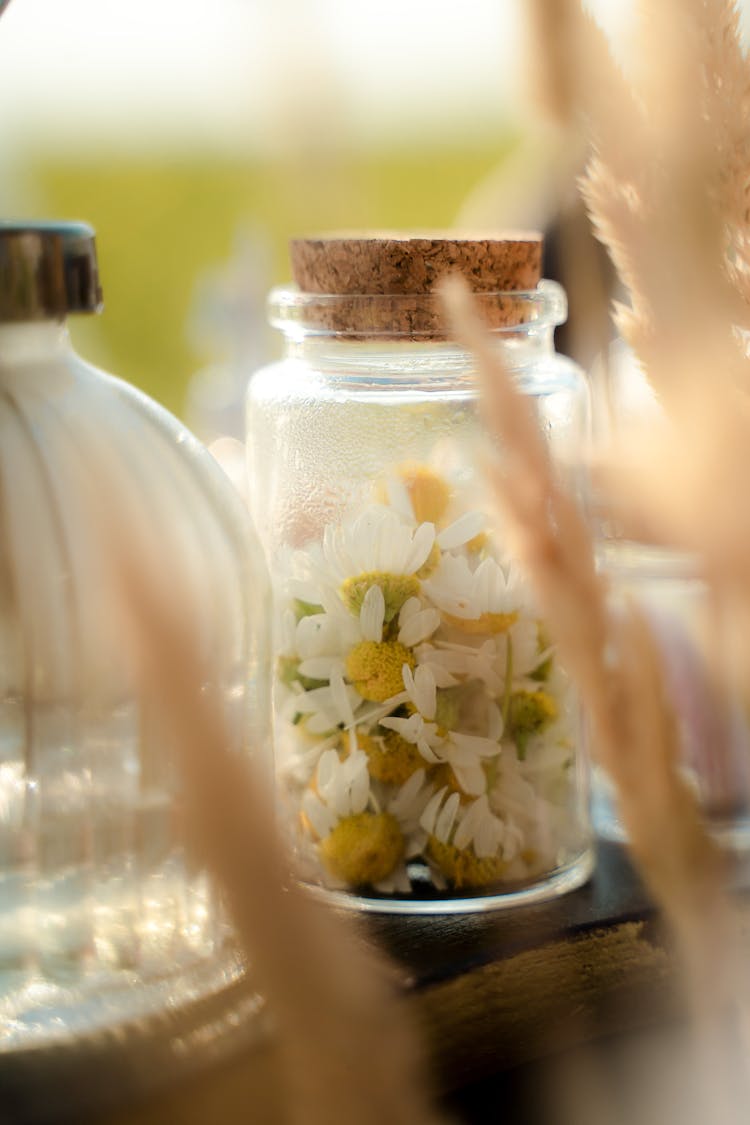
334, 352
31, 341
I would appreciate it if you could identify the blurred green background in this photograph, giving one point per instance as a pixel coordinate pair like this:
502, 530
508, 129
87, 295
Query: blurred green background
198, 138
163, 224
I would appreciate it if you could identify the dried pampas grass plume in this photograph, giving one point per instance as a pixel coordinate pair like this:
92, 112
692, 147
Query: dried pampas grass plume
614, 660
666, 184
348, 1050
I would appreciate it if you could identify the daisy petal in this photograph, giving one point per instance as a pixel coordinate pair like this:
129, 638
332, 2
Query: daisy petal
421, 545
340, 697
470, 776
446, 817
321, 818
422, 688
418, 627
465, 832
398, 497
372, 614
429, 816
456, 534
488, 836
475, 744
319, 667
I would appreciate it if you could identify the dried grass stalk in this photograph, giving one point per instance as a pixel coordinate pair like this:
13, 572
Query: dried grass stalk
614, 660
347, 1044
659, 201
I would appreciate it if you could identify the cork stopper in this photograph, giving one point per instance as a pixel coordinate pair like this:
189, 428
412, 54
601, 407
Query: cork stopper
384, 283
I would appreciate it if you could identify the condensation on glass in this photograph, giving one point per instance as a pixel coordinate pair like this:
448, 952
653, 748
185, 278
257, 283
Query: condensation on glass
103, 916
427, 741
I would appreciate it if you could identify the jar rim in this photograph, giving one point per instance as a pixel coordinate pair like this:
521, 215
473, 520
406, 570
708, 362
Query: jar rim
300, 314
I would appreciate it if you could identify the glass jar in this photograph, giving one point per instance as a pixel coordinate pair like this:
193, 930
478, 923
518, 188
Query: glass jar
427, 741
668, 586
103, 916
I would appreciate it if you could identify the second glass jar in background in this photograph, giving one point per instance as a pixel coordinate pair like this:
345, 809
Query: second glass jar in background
427, 741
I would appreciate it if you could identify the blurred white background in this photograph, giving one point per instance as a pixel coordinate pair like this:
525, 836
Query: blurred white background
225, 72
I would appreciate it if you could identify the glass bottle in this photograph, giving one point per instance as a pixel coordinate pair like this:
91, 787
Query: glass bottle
103, 917
427, 742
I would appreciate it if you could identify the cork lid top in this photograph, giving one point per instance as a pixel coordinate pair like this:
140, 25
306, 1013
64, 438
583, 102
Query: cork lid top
382, 284
395, 263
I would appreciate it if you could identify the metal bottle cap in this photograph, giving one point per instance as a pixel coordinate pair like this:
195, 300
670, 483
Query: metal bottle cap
47, 270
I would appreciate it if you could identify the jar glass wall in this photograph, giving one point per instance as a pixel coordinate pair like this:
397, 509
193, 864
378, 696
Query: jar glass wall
427, 741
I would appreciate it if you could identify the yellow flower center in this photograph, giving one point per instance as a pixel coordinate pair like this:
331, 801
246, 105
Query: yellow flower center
484, 625
529, 713
396, 588
374, 668
391, 759
428, 492
462, 867
364, 848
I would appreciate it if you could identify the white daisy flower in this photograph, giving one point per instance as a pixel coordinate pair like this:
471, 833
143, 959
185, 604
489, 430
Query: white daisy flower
325, 640
416, 623
308, 580
420, 493
358, 843
473, 662
517, 649
325, 708
323, 635
472, 826
462, 752
414, 729
376, 541
421, 686
484, 600
343, 790
521, 645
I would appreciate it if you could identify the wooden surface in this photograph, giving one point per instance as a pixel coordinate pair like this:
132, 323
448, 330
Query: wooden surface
492, 992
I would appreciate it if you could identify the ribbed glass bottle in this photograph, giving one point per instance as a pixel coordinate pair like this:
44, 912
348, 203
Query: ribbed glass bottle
103, 917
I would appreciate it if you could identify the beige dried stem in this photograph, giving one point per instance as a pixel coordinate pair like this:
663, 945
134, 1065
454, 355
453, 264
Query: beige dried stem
348, 1049
677, 213
655, 182
615, 664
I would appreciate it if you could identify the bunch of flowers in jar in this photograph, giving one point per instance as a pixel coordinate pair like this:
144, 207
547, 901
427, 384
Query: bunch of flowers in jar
423, 720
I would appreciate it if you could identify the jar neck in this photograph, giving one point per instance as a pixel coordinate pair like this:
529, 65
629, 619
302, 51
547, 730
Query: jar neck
31, 341
517, 346
330, 329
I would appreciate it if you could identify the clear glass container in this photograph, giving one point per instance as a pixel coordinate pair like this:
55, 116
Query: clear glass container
668, 586
427, 741
104, 918
669, 589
